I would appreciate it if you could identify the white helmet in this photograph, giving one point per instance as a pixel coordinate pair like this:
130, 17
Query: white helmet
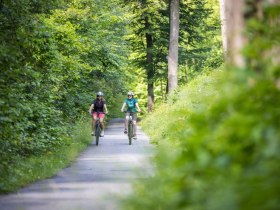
130, 93
99, 94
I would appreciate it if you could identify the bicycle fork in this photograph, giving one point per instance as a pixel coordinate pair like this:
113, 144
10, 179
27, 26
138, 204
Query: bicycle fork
133, 125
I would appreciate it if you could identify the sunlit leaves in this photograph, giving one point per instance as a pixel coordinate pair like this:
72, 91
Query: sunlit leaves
54, 57
218, 146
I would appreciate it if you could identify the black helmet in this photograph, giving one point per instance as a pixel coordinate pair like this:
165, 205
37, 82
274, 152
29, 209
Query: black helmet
130, 93
99, 94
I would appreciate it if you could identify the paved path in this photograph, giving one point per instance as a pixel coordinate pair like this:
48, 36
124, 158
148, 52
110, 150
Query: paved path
94, 181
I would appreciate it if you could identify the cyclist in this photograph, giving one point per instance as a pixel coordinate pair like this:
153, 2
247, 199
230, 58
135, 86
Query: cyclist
97, 109
132, 107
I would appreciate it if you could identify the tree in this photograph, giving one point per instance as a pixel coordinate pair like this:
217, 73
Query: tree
54, 56
149, 59
232, 26
173, 45
236, 152
150, 37
223, 25
234, 14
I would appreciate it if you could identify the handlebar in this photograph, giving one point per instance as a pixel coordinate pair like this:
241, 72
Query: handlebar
130, 112
97, 113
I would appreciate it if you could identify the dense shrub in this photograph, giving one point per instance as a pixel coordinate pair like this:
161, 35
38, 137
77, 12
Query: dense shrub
218, 146
54, 57
219, 136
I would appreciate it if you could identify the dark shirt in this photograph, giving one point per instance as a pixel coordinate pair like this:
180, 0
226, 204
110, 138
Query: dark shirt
98, 105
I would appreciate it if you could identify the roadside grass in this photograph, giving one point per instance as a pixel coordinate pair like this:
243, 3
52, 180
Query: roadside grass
28, 170
195, 96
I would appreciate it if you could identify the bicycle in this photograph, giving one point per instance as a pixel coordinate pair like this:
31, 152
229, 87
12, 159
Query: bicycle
97, 131
130, 131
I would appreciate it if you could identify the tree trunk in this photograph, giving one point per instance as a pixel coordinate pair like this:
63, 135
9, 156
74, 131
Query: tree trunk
149, 62
150, 70
232, 17
173, 46
223, 25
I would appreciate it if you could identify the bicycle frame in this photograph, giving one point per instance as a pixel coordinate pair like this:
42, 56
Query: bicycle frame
97, 130
130, 128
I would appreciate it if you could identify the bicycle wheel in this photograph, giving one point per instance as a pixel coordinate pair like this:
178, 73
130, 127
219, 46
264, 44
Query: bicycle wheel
97, 133
130, 132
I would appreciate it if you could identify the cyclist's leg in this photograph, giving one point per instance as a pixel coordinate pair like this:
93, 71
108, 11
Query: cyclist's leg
92, 123
134, 118
101, 117
94, 118
126, 122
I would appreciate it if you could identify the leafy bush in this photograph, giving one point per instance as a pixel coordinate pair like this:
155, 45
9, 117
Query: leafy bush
218, 146
219, 136
24, 170
54, 57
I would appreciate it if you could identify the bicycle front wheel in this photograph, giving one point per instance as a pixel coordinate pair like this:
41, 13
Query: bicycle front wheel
97, 133
130, 132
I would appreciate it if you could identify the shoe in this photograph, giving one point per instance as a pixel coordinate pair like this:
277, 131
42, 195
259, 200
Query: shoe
125, 131
134, 137
92, 133
102, 134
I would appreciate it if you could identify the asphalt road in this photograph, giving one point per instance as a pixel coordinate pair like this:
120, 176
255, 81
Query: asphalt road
95, 181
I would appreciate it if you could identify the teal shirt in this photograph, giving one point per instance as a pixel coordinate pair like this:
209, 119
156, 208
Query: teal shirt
131, 104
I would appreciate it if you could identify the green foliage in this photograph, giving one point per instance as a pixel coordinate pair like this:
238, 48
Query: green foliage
218, 149
200, 46
54, 57
199, 42
264, 42
26, 170
218, 136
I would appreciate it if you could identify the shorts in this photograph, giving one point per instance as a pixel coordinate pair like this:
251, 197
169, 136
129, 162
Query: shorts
134, 116
101, 115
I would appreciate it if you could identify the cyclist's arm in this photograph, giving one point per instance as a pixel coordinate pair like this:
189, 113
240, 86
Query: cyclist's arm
105, 109
137, 106
91, 108
123, 106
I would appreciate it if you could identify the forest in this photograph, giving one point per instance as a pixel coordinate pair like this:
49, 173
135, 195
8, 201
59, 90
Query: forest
206, 73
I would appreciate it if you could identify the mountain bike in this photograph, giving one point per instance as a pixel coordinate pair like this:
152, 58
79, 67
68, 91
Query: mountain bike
97, 130
130, 130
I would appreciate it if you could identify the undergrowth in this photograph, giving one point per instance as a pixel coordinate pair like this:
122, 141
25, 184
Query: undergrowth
22, 171
219, 143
